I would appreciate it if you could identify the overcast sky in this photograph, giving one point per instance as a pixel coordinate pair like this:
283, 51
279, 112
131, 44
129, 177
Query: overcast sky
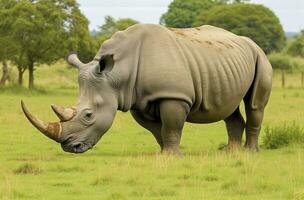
290, 12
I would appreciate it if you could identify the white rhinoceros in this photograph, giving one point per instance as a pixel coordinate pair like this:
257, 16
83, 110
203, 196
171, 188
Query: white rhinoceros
166, 77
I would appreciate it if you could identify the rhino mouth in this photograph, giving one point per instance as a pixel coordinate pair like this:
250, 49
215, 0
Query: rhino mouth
75, 147
54, 130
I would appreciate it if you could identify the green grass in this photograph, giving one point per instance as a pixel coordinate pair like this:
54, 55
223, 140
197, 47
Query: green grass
125, 164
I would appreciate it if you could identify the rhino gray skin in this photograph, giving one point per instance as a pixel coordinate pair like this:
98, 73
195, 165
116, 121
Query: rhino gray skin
165, 77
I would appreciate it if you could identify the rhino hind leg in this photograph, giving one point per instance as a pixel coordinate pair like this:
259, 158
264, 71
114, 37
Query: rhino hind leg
256, 99
253, 128
153, 126
254, 108
235, 125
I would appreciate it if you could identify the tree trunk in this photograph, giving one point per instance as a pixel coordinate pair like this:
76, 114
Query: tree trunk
283, 79
5, 74
302, 80
31, 76
20, 75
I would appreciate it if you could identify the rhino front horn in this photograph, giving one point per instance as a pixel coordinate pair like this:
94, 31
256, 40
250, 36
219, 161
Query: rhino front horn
64, 114
73, 59
52, 130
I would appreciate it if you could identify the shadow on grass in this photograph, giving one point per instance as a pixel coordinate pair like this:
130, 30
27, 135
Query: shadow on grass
111, 154
16, 89
103, 154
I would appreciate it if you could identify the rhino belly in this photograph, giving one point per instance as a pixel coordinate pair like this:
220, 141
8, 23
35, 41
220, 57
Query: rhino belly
220, 98
214, 114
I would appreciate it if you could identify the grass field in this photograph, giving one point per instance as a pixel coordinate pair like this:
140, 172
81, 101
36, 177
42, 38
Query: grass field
125, 164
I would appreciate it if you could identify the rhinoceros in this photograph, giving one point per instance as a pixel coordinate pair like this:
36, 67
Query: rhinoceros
166, 77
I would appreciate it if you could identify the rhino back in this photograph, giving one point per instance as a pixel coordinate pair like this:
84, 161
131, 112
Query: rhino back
209, 68
222, 66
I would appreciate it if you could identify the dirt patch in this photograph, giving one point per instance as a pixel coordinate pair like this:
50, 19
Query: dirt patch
27, 168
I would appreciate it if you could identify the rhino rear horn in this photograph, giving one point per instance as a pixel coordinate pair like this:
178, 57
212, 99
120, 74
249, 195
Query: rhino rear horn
64, 114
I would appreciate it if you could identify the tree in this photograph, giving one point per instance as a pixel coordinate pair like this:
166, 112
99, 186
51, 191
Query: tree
182, 13
79, 38
237, 1
7, 45
111, 26
46, 31
5, 52
296, 47
254, 21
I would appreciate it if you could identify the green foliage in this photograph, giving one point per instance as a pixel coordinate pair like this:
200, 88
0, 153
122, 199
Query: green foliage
44, 31
8, 46
296, 47
240, 1
182, 13
38, 28
286, 62
124, 23
281, 61
254, 21
283, 135
111, 26
78, 37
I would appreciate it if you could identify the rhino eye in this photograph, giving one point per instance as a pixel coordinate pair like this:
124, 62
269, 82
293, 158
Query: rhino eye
88, 117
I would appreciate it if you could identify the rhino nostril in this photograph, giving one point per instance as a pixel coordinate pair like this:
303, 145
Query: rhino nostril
76, 146
89, 115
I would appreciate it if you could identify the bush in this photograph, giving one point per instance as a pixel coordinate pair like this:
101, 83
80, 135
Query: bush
254, 21
296, 46
285, 62
182, 13
281, 61
283, 135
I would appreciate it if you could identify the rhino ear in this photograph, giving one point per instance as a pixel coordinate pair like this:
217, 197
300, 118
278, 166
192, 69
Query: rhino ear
106, 64
73, 60
102, 65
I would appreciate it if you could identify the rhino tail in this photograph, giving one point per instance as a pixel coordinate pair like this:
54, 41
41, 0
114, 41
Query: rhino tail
259, 93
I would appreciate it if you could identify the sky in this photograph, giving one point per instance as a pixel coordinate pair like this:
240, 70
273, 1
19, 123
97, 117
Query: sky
290, 12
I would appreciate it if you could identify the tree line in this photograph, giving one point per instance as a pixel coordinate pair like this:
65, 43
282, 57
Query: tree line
252, 20
243, 18
35, 32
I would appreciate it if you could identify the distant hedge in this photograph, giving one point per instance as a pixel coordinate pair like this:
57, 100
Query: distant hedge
286, 62
296, 46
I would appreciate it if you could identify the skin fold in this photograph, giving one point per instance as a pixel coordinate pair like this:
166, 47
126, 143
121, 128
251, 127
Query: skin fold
166, 77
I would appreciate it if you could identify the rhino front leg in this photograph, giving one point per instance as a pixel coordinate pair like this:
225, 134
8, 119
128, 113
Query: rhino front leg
235, 125
173, 114
153, 126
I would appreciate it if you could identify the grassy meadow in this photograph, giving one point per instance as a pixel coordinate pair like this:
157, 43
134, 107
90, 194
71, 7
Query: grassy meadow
125, 164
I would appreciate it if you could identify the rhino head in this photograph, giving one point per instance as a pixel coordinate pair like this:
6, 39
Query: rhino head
81, 126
